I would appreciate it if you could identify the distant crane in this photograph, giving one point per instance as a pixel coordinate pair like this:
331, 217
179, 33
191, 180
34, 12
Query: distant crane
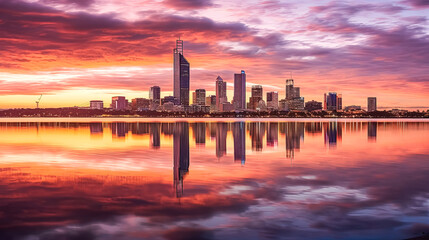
38, 100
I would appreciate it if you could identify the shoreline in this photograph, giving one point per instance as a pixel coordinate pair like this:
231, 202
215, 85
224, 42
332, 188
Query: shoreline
203, 119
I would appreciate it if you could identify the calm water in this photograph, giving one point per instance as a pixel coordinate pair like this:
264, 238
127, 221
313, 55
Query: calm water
214, 180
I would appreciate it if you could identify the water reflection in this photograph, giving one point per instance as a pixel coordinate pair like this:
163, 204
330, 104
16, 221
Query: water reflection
333, 133
294, 133
348, 180
181, 155
239, 133
372, 131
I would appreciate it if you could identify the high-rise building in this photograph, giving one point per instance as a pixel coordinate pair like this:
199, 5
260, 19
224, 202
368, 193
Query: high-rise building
220, 93
155, 94
96, 104
140, 104
293, 99
372, 104
273, 100
169, 99
313, 105
256, 96
339, 102
331, 101
199, 97
119, 103
211, 102
292, 92
181, 75
239, 100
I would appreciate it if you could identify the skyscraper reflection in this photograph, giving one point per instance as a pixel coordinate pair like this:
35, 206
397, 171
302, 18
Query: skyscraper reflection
257, 133
138, 128
313, 128
221, 133
119, 129
155, 135
180, 155
199, 130
333, 133
212, 130
372, 131
272, 134
239, 134
96, 128
294, 133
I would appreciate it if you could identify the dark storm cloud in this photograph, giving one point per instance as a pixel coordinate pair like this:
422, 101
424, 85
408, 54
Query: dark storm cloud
188, 4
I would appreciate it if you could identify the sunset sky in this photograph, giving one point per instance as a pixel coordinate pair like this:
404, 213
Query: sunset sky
73, 51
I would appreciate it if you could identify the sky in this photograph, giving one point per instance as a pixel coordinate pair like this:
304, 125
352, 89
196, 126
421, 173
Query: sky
74, 51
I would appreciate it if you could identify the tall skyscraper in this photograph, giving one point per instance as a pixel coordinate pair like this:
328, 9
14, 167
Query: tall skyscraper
211, 101
199, 97
273, 100
330, 101
220, 93
256, 96
155, 94
181, 75
293, 99
292, 92
239, 100
372, 104
339, 102
119, 103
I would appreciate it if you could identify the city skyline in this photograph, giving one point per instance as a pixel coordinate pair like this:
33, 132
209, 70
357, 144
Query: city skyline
74, 52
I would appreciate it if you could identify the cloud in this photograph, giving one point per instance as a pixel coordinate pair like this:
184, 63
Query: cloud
80, 3
188, 4
417, 3
185, 233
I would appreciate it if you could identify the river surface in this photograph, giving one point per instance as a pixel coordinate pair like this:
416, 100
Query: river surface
110, 179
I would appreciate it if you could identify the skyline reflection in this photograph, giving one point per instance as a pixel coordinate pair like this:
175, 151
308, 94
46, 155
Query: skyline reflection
214, 180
